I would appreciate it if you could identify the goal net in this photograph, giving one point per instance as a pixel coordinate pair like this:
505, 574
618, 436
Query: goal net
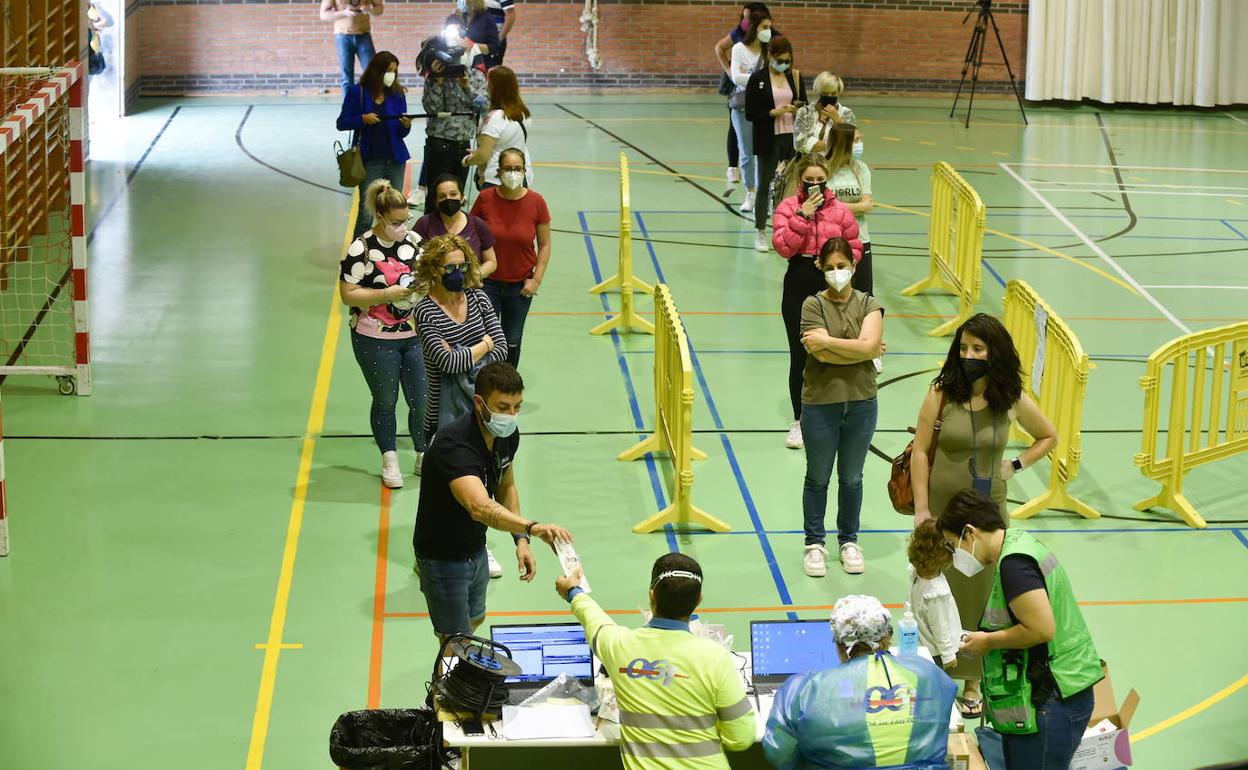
43, 288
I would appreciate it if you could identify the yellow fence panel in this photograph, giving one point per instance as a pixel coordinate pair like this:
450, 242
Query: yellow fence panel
1207, 374
627, 319
673, 420
956, 242
1055, 374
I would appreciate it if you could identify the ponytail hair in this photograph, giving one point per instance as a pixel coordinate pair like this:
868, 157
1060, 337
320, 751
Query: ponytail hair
381, 196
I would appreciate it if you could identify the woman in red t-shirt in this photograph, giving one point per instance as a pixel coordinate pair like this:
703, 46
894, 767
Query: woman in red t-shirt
518, 217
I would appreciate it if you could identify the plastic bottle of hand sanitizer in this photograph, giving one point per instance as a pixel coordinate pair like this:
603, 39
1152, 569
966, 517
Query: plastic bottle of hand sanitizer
909, 631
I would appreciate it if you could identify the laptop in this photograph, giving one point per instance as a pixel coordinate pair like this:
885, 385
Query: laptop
781, 648
544, 651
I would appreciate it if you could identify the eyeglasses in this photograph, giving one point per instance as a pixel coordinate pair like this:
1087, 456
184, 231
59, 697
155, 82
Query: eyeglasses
458, 267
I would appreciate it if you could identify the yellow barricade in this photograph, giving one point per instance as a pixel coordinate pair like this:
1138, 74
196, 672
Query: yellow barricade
1191, 438
673, 420
1055, 374
627, 319
956, 242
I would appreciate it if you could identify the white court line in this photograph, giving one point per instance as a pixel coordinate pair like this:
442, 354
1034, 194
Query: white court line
1116, 191
1097, 249
1162, 185
1237, 120
1135, 168
1186, 286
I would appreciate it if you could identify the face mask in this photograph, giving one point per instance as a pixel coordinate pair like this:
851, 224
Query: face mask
511, 179
857, 149
461, 6
500, 425
966, 563
974, 368
827, 101
745, 25
838, 279
764, 36
450, 207
388, 79
779, 66
394, 233
453, 281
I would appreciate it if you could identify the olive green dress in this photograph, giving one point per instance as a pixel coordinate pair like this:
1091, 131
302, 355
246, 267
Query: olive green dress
951, 473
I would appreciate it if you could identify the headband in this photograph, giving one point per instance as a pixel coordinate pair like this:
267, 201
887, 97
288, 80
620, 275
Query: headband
676, 573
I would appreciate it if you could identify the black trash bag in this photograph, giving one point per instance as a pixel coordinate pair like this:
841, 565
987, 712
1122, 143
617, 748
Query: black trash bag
387, 739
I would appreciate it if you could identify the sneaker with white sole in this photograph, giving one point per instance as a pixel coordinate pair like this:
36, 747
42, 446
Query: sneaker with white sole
747, 205
761, 242
391, 476
813, 563
733, 174
794, 439
851, 559
420, 461
496, 569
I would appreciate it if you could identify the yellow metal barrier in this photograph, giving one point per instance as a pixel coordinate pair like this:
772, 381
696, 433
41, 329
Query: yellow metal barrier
673, 419
1055, 374
627, 319
1191, 440
956, 242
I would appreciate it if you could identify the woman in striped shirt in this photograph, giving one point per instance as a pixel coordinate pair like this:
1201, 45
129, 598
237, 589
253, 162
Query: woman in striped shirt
458, 328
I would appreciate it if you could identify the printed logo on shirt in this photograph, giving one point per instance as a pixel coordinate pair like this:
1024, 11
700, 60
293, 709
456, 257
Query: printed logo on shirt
640, 668
891, 698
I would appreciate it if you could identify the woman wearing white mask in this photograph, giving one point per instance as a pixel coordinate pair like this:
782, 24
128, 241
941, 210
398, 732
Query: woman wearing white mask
1039, 661
745, 59
974, 398
842, 331
373, 111
504, 126
851, 181
772, 97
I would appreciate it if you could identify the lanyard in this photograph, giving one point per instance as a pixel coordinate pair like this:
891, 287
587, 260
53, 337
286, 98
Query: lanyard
974, 466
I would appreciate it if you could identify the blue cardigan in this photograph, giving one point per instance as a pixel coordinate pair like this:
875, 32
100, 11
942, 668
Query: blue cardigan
355, 105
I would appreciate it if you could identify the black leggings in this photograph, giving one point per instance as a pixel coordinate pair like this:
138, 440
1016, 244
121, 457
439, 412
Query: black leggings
862, 272
801, 280
442, 157
781, 150
734, 157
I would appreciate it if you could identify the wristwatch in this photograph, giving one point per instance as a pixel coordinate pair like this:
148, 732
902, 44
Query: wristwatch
1017, 464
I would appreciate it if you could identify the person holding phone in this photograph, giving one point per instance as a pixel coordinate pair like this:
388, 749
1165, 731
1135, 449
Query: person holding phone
772, 97
814, 122
352, 32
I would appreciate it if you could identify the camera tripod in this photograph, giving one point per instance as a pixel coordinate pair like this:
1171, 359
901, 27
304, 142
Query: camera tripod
975, 58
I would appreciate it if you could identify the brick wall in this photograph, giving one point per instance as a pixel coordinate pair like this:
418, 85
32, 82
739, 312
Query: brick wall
209, 45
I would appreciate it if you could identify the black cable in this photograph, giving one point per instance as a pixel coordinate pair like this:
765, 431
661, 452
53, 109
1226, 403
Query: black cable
470, 689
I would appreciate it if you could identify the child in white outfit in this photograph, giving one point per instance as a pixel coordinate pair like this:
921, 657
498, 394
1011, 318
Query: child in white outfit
940, 627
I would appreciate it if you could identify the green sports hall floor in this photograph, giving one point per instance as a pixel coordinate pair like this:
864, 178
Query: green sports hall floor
196, 579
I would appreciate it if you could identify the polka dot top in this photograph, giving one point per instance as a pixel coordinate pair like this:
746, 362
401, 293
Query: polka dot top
375, 263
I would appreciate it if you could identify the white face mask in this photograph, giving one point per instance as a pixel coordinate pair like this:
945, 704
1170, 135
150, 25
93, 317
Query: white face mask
838, 279
511, 179
965, 562
857, 149
764, 35
388, 79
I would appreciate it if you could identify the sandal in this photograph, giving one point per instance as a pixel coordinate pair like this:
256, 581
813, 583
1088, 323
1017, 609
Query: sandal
970, 708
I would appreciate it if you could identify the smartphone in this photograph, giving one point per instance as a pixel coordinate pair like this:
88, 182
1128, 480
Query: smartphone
812, 189
473, 727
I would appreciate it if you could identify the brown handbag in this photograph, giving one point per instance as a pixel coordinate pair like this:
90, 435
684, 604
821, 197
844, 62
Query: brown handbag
900, 486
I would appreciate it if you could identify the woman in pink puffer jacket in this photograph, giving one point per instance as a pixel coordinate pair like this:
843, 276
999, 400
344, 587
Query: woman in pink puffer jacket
803, 223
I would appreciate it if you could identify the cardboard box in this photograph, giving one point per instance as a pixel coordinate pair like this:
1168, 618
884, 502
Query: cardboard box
964, 754
1110, 750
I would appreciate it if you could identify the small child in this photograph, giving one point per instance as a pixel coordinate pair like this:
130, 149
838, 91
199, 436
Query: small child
940, 628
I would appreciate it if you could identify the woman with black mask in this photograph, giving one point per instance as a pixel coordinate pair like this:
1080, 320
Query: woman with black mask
449, 217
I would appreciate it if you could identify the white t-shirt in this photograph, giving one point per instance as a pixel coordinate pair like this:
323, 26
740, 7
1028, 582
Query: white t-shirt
744, 62
850, 188
507, 133
940, 627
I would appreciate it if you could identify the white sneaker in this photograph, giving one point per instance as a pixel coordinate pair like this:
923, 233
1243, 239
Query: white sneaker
733, 175
851, 559
748, 204
391, 476
813, 563
761, 243
496, 569
420, 460
794, 439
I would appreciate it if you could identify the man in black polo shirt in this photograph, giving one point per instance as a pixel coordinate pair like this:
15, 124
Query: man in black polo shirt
468, 485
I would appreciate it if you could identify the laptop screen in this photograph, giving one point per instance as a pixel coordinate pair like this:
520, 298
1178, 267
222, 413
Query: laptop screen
545, 651
781, 648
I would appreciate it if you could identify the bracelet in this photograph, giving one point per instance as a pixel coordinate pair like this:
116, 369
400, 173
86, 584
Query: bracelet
528, 531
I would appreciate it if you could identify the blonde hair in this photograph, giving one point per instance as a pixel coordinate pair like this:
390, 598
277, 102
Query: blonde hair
826, 81
926, 551
433, 254
475, 7
381, 196
793, 174
841, 150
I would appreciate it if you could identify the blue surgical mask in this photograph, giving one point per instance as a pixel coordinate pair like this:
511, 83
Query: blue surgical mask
857, 149
779, 66
500, 425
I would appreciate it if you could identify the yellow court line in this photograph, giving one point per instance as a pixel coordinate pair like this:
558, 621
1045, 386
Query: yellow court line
316, 421
615, 170
1192, 711
1034, 245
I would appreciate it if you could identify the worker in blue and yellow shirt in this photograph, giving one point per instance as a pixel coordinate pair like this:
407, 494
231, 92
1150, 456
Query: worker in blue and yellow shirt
682, 701
872, 711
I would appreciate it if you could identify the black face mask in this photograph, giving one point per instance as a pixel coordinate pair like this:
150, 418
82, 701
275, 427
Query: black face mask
450, 207
827, 101
974, 368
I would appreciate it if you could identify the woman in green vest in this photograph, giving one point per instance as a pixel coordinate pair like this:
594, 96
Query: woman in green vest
1039, 660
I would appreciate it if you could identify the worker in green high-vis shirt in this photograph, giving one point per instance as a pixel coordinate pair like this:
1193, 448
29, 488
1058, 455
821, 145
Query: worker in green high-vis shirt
1039, 660
872, 711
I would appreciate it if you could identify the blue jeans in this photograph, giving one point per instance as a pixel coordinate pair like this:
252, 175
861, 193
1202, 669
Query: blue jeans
381, 168
840, 434
1061, 725
512, 308
387, 365
745, 147
454, 591
349, 47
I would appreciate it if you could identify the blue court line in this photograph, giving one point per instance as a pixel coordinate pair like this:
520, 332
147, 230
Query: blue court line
1239, 533
995, 274
688, 231
1237, 232
656, 484
777, 577
995, 213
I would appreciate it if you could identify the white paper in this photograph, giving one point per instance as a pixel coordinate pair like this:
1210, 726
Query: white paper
1037, 365
521, 723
